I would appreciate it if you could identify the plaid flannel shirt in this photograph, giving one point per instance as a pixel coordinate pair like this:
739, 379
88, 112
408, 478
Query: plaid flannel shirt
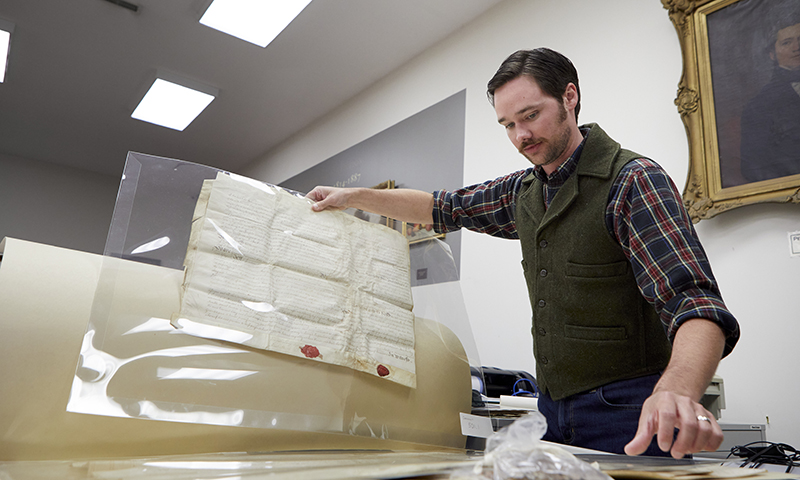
646, 216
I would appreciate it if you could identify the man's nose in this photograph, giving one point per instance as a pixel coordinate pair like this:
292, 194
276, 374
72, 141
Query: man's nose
524, 133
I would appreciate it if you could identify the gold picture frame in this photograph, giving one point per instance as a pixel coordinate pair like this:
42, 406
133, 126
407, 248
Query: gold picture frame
418, 232
414, 232
713, 183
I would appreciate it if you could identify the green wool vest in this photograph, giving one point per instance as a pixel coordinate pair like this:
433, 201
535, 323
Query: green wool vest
591, 326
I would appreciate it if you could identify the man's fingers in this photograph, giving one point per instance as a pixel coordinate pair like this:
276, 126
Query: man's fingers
316, 194
639, 443
709, 433
644, 434
699, 431
667, 422
705, 431
326, 198
319, 205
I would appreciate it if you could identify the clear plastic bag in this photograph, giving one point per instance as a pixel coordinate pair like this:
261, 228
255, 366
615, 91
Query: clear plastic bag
517, 452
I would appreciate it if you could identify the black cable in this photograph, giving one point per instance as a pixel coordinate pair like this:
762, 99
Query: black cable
757, 454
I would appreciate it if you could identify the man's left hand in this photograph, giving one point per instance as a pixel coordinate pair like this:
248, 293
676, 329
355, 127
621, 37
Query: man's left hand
665, 411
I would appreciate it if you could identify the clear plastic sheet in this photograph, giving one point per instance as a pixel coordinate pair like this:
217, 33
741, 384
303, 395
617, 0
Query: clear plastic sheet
517, 452
135, 364
275, 466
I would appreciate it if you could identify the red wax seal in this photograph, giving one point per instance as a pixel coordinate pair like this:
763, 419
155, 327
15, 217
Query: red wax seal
383, 371
310, 351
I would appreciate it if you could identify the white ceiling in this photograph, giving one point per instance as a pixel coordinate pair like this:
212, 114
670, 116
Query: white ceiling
79, 67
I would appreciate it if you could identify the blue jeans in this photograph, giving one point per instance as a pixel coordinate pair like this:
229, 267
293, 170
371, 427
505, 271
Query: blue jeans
605, 418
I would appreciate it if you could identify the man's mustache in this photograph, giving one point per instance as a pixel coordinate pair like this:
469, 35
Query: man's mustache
526, 144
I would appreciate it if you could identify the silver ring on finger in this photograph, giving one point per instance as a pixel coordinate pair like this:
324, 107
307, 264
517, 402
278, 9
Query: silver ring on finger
703, 418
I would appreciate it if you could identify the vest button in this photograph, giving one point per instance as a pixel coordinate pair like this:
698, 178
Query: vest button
543, 360
543, 273
542, 331
542, 303
543, 243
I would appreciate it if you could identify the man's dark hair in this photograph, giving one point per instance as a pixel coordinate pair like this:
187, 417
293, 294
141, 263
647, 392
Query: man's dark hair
551, 70
778, 20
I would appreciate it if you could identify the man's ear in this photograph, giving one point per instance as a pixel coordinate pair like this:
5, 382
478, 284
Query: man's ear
570, 97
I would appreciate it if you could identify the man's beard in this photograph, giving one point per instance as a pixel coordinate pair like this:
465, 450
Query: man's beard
555, 150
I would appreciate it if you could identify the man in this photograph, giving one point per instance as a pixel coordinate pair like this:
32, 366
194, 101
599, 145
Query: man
771, 120
611, 261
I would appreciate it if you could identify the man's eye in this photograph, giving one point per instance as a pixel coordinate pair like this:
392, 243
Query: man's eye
532, 115
508, 126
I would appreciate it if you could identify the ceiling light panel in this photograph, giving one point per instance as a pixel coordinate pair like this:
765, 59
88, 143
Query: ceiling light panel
171, 105
6, 28
255, 21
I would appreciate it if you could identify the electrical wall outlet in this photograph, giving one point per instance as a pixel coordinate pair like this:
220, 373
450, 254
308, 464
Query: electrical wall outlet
794, 244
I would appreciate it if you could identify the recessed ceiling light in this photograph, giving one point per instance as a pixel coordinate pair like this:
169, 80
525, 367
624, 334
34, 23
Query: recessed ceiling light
255, 21
171, 105
5, 43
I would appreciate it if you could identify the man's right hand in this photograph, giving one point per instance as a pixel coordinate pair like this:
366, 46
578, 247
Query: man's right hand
403, 204
328, 198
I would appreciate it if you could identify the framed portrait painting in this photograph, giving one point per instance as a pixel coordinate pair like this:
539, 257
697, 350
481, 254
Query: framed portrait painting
739, 97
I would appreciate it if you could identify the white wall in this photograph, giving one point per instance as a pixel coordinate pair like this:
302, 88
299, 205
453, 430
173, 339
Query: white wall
629, 62
749, 250
55, 205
